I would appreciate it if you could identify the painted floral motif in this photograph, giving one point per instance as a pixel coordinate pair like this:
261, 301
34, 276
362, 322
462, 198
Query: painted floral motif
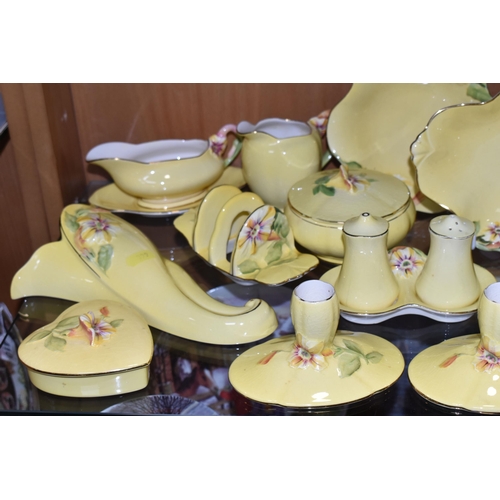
327, 184
449, 361
309, 353
97, 328
88, 326
95, 227
320, 122
258, 229
266, 230
218, 141
406, 261
490, 238
93, 234
484, 360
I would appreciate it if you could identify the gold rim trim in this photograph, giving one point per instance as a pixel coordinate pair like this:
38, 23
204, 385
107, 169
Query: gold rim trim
90, 375
330, 223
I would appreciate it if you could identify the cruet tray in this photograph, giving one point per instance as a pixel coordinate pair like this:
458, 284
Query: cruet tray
408, 301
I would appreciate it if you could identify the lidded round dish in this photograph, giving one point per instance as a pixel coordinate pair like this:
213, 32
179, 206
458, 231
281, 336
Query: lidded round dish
319, 205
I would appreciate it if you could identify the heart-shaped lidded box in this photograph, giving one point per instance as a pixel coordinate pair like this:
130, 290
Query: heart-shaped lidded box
94, 348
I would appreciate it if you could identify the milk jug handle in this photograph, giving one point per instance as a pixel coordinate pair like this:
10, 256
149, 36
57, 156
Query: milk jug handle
320, 123
218, 143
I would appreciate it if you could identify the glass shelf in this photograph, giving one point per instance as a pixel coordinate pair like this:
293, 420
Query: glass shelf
200, 371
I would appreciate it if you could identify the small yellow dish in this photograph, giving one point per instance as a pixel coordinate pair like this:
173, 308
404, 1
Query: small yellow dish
93, 349
457, 159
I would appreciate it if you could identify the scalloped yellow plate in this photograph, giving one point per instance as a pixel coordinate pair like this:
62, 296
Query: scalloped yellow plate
458, 164
375, 124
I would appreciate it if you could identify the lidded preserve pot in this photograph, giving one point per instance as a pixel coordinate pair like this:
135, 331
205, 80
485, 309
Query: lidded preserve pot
448, 279
366, 281
319, 204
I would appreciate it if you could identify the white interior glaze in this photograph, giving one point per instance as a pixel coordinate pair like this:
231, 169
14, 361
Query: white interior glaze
149, 152
314, 291
281, 129
492, 292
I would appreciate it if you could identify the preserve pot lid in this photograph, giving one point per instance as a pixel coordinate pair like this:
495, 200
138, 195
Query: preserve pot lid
333, 196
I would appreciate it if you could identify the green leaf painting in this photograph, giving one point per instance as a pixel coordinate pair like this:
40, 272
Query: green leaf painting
248, 266
274, 253
352, 164
39, 335
55, 343
479, 91
104, 257
71, 222
350, 357
68, 323
280, 224
348, 364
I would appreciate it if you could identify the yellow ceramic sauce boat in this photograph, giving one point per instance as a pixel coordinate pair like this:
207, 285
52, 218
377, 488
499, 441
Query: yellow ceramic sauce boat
165, 174
276, 153
101, 255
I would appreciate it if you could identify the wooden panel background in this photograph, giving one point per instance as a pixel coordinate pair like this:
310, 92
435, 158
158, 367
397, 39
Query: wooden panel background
148, 112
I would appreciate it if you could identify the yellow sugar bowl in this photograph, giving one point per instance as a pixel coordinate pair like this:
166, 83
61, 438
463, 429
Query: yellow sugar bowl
319, 204
95, 348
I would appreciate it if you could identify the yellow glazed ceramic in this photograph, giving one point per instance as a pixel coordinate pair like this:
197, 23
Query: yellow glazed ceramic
318, 366
206, 215
276, 153
164, 174
457, 164
95, 348
319, 205
243, 203
256, 235
111, 197
101, 255
448, 279
375, 124
366, 280
406, 264
464, 372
